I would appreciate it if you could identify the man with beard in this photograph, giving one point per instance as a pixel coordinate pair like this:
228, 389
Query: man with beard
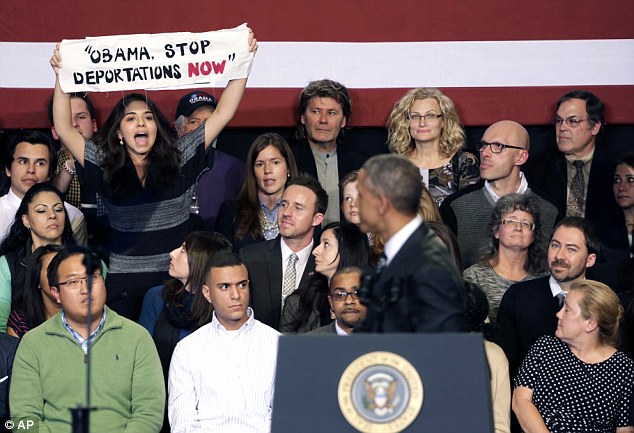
344, 302
527, 310
277, 266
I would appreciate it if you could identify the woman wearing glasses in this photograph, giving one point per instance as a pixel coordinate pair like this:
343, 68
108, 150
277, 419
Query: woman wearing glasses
425, 128
515, 249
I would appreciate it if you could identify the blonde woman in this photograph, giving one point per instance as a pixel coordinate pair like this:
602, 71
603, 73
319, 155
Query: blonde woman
425, 128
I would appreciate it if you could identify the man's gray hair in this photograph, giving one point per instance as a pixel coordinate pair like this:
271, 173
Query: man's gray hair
397, 179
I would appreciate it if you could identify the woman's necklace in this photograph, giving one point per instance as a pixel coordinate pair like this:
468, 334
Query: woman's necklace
268, 227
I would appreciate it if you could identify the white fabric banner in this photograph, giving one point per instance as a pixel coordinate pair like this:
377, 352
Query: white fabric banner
155, 61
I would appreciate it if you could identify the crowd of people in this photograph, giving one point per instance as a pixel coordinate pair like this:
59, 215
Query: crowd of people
174, 268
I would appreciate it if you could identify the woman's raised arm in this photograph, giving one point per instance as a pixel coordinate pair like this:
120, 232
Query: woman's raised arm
228, 103
62, 115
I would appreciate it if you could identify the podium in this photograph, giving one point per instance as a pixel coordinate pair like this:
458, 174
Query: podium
372, 378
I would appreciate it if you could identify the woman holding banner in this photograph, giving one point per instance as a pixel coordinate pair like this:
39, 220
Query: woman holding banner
146, 176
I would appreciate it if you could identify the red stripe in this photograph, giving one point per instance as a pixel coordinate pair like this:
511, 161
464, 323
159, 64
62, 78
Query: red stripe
326, 20
276, 107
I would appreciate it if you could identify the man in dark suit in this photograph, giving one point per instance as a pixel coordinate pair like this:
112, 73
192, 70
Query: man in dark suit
278, 266
324, 110
581, 165
527, 310
344, 302
418, 287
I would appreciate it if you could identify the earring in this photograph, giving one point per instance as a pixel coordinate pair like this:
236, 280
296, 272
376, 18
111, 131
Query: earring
121, 141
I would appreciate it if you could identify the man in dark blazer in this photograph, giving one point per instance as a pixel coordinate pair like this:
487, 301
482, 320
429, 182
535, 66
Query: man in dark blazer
527, 310
579, 123
301, 210
324, 110
344, 302
417, 286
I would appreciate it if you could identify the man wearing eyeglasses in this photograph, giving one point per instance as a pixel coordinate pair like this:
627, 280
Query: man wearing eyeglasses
344, 302
49, 372
578, 178
503, 151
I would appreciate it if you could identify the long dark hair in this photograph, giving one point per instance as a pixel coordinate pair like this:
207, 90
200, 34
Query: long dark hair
29, 301
18, 234
353, 251
163, 160
248, 202
200, 247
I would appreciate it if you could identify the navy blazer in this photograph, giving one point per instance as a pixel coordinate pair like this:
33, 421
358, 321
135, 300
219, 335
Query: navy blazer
527, 312
420, 290
264, 263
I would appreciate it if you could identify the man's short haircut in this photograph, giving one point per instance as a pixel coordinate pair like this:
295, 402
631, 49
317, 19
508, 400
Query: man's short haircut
33, 137
397, 179
323, 89
593, 244
307, 181
594, 106
223, 259
345, 271
89, 258
84, 96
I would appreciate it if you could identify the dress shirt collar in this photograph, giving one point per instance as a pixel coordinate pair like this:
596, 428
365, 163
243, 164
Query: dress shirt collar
555, 288
585, 159
83, 342
14, 200
302, 255
339, 330
521, 190
219, 327
394, 244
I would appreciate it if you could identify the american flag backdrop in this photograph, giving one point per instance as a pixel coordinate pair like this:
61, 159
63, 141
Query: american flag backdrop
495, 58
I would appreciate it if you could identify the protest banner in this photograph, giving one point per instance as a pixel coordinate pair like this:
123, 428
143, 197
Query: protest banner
155, 61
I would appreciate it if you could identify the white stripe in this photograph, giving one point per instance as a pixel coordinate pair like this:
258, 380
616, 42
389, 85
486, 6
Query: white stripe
395, 64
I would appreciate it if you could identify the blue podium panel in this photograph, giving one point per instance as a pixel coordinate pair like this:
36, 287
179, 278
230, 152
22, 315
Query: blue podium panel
377, 383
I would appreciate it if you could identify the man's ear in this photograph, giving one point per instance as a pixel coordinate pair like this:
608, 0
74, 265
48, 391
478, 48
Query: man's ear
206, 293
522, 157
592, 258
383, 204
318, 219
55, 293
54, 133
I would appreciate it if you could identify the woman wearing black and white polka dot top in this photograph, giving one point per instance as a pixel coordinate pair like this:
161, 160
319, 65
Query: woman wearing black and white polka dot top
578, 381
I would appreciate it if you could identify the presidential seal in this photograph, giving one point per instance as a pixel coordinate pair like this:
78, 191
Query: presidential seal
380, 392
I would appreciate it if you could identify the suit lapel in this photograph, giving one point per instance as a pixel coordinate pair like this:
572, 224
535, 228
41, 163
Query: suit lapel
274, 274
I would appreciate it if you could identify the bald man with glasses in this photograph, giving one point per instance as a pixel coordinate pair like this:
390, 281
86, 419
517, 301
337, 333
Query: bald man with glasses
503, 151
